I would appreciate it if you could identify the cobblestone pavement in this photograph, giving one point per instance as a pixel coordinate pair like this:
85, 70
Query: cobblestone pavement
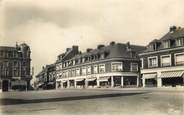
94, 102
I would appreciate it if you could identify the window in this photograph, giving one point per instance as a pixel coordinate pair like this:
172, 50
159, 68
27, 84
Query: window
89, 70
65, 74
101, 68
116, 66
83, 70
179, 42
153, 46
134, 67
83, 60
166, 44
95, 69
73, 62
1, 53
179, 59
152, 61
165, 60
16, 64
78, 72
102, 56
73, 72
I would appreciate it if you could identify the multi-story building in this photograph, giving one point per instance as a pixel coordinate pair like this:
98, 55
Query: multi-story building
15, 67
113, 65
163, 60
46, 78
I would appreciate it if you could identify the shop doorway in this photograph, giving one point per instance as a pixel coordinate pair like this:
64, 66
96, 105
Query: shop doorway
5, 85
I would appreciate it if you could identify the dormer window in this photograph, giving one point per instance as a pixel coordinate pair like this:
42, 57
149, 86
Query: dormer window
102, 56
83, 60
179, 41
153, 47
166, 44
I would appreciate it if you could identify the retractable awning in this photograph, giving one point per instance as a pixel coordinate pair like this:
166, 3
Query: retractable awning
81, 79
149, 76
103, 78
172, 74
91, 79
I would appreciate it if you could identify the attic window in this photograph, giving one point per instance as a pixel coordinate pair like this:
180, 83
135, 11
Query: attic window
179, 41
166, 44
153, 47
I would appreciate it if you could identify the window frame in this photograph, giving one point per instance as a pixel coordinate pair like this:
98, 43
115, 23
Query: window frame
149, 61
87, 69
84, 67
137, 67
161, 57
77, 69
99, 68
166, 44
116, 63
182, 53
95, 72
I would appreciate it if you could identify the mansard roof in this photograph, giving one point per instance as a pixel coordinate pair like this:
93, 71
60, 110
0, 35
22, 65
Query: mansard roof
113, 51
173, 33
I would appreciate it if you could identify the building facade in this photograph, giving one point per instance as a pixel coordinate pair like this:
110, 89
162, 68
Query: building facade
114, 65
46, 78
163, 60
15, 65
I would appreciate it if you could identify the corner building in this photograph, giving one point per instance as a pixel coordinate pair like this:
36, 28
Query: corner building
15, 67
115, 65
163, 60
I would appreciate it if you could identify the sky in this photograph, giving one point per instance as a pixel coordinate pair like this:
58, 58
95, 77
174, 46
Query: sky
51, 26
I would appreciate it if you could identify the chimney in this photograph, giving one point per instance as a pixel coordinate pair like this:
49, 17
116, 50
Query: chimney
112, 43
89, 49
75, 48
128, 46
100, 46
172, 28
68, 49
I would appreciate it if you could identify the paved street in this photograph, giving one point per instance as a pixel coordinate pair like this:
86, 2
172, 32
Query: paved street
94, 102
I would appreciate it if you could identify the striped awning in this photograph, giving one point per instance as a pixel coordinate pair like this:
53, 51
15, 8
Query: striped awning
80, 79
91, 79
172, 74
149, 76
103, 78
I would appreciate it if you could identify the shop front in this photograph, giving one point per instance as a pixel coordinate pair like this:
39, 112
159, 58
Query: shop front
172, 78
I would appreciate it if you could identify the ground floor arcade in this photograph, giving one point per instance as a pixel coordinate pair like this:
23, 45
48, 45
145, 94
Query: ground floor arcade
99, 81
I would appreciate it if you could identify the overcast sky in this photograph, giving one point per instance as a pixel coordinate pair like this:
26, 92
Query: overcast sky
50, 26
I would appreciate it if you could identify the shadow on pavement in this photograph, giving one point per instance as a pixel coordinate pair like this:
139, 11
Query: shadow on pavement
8, 101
